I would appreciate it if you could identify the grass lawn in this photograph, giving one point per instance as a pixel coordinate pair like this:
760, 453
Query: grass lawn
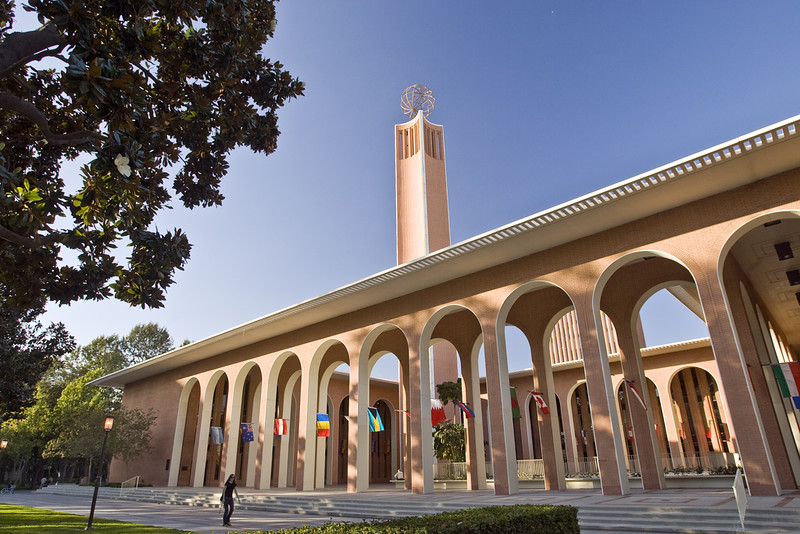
22, 519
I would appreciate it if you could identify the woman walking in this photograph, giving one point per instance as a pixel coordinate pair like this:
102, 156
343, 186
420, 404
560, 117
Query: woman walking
227, 500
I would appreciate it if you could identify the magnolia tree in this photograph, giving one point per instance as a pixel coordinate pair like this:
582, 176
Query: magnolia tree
144, 93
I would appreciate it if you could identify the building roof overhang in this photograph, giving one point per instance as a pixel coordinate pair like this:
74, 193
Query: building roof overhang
738, 162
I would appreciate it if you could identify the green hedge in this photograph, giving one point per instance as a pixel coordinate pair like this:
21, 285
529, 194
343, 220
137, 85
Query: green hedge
521, 518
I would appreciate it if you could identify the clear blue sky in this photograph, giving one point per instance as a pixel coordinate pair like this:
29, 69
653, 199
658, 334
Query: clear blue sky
542, 102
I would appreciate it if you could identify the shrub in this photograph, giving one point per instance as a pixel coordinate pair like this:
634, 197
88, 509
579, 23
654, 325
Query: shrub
521, 518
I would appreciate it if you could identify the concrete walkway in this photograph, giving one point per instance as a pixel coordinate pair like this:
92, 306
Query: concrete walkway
208, 520
193, 519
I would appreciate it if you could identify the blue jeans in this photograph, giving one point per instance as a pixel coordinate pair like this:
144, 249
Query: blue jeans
228, 512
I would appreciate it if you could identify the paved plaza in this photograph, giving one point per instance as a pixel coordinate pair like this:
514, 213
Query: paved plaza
208, 520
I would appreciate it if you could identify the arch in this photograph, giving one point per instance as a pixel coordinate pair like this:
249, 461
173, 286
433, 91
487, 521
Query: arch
211, 400
313, 399
381, 465
243, 404
771, 415
702, 425
185, 434
271, 404
382, 339
536, 308
447, 323
324, 459
621, 290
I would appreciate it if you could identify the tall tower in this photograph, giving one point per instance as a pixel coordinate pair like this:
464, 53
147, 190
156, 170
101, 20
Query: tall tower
423, 221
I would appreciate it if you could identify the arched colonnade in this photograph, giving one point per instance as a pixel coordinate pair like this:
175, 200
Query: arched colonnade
288, 376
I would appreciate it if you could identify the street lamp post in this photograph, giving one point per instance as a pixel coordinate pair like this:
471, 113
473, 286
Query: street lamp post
109, 423
3, 445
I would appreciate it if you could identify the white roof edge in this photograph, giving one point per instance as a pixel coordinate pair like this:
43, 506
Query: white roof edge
470, 244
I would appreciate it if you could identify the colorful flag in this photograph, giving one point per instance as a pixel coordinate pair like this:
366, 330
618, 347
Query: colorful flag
281, 427
216, 435
468, 413
583, 435
247, 432
437, 412
515, 413
540, 402
323, 425
375, 423
635, 392
788, 377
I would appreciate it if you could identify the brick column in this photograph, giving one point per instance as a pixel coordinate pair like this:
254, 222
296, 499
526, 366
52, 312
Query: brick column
751, 439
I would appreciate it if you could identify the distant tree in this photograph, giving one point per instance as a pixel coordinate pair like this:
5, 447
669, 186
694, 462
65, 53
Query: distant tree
103, 352
111, 353
449, 391
75, 424
145, 341
27, 349
139, 90
449, 442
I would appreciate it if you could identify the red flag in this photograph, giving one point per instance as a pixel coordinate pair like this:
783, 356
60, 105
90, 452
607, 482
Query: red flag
437, 412
468, 413
281, 427
635, 392
540, 402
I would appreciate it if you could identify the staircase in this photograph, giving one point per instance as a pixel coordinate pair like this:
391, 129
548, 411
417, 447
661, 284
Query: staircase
686, 520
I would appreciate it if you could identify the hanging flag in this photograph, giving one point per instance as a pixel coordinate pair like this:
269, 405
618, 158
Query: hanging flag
630, 433
683, 431
216, 435
583, 434
323, 425
515, 413
636, 393
247, 432
437, 412
540, 402
281, 427
405, 412
788, 377
375, 423
468, 413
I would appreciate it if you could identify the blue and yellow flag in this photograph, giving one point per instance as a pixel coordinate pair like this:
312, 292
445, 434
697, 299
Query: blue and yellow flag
375, 423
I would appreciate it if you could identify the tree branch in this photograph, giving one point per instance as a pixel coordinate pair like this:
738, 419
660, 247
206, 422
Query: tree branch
26, 109
19, 48
25, 241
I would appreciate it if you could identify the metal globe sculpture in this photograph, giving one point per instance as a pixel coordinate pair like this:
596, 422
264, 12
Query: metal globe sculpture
417, 98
